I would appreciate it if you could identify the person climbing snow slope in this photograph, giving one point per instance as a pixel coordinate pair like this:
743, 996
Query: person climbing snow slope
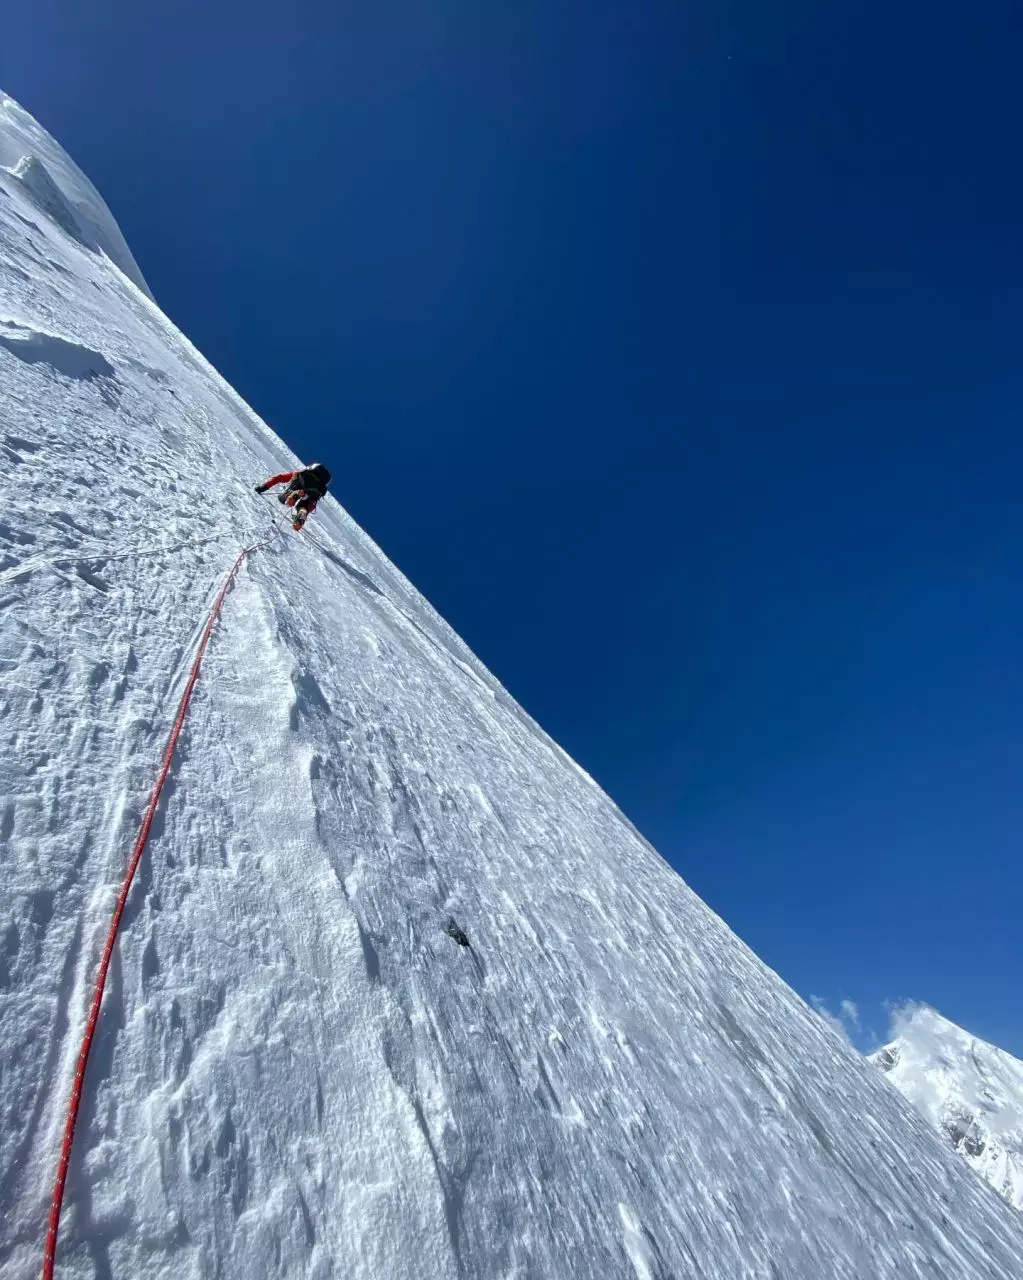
305, 488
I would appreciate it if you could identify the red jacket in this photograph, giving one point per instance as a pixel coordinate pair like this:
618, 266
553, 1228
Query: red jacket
286, 477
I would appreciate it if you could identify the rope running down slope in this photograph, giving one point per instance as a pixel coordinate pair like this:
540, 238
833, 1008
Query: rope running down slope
74, 1102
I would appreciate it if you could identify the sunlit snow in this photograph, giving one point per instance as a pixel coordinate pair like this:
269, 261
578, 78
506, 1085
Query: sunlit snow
969, 1090
299, 1071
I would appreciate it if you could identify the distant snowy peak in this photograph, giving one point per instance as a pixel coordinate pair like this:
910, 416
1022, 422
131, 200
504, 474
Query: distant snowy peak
969, 1090
59, 189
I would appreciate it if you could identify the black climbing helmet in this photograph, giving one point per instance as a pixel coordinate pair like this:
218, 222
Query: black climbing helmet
319, 470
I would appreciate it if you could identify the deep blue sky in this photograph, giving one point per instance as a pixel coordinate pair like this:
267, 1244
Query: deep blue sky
673, 350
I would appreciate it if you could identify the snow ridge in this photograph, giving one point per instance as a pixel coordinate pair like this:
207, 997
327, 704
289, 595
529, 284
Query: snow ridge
299, 1068
59, 189
969, 1090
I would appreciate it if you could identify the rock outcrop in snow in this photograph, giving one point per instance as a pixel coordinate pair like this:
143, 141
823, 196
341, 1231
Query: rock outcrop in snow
969, 1090
301, 1068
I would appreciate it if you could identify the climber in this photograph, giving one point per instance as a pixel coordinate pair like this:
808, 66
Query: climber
305, 488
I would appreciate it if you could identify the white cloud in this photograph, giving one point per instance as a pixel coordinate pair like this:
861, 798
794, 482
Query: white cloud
850, 1014
901, 1014
820, 1004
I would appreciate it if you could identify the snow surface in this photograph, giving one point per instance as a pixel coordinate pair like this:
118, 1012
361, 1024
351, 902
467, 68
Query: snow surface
58, 189
969, 1090
299, 1072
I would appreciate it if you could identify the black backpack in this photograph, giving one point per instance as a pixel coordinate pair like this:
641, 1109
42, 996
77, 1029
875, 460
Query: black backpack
313, 480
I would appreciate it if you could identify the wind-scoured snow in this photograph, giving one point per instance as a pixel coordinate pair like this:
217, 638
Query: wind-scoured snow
58, 190
299, 1071
969, 1090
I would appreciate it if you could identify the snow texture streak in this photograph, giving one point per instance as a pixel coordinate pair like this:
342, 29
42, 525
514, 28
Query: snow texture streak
969, 1090
300, 1071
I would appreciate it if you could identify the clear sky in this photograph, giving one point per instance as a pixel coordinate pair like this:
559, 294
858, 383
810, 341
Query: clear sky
672, 349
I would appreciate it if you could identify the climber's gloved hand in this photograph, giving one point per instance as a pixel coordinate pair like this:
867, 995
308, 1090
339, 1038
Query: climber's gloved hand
261, 488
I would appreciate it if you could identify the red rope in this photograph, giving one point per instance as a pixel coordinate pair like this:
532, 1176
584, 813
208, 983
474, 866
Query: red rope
50, 1249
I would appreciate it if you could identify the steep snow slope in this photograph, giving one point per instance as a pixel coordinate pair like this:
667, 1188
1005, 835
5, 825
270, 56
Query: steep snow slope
57, 188
298, 1072
969, 1090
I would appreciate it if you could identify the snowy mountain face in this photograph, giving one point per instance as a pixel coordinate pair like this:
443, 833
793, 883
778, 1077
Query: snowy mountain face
970, 1091
52, 186
300, 1071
